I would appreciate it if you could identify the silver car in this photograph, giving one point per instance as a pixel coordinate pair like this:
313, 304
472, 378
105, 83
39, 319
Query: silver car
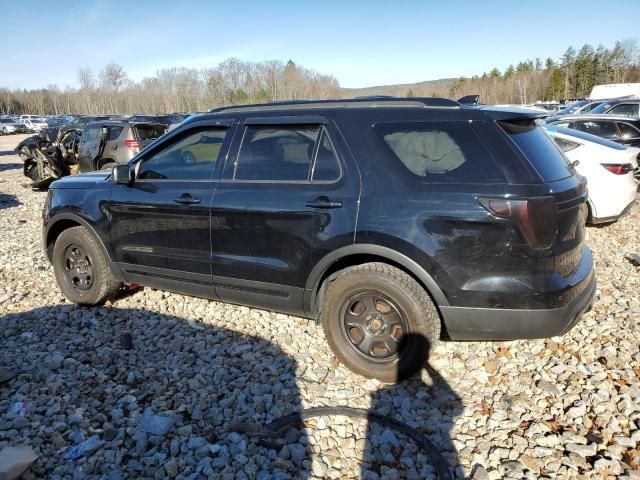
8, 126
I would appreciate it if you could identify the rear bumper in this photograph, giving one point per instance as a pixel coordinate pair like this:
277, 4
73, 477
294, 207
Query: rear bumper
466, 323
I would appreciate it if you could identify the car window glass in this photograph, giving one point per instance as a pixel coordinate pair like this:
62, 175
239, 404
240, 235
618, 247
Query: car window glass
276, 153
191, 157
114, 132
441, 153
627, 131
326, 167
90, 133
565, 145
625, 109
599, 128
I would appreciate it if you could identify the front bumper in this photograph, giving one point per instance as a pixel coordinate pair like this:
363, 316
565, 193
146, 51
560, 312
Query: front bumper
468, 323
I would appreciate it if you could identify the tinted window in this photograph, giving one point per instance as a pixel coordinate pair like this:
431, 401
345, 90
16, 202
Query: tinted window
148, 132
276, 153
114, 132
625, 109
326, 167
191, 157
443, 152
590, 107
600, 128
603, 107
539, 149
627, 131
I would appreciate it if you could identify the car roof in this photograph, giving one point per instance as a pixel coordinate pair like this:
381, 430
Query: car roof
598, 116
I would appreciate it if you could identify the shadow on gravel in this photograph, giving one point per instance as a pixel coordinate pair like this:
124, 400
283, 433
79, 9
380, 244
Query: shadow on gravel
408, 401
9, 166
158, 394
8, 201
7, 152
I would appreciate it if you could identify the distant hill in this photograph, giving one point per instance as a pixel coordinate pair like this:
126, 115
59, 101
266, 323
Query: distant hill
420, 89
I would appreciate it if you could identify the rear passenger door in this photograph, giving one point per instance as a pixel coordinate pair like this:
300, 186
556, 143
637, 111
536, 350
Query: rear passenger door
288, 196
88, 147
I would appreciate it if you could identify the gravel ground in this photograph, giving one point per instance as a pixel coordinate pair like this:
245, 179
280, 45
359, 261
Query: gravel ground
566, 407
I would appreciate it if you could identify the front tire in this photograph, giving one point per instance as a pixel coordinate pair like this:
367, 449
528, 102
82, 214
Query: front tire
82, 269
379, 321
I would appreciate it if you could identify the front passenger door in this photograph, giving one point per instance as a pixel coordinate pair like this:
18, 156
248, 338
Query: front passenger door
160, 230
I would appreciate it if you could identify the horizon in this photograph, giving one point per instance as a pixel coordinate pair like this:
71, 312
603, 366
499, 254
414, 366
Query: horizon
330, 43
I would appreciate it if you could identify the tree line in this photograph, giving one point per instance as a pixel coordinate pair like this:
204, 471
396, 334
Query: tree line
573, 75
234, 81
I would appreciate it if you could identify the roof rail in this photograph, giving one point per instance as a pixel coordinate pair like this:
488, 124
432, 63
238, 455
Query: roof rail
373, 101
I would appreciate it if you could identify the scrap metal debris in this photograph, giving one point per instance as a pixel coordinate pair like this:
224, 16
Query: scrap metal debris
634, 258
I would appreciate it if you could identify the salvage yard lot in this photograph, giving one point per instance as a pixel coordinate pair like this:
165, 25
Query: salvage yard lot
567, 407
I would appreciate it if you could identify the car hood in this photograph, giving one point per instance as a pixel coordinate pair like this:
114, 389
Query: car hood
83, 180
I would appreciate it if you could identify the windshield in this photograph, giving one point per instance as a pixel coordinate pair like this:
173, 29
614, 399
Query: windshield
573, 107
603, 107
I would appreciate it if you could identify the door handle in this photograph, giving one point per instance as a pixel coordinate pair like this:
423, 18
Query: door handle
323, 202
186, 199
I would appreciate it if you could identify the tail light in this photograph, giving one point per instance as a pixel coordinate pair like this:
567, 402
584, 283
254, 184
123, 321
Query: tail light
618, 168
537, 218
133, 145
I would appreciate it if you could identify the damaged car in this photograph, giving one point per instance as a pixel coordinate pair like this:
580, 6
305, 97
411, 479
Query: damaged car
49, 155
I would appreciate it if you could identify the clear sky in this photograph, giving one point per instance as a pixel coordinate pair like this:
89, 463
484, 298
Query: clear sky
361, 43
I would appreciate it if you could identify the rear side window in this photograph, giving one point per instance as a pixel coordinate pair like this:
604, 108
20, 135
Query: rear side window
148, 132
625, 109
600, 128
326, 167
114, 132
539, 149
627, 131
565, 145
443, 152
276, 153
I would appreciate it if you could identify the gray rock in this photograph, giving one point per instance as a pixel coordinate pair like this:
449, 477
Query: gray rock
156, 424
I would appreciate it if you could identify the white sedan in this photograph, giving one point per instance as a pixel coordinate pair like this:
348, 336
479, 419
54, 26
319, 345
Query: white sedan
608, 167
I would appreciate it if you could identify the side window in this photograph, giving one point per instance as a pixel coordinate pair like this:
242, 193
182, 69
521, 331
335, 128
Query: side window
191, 157
442, 152
276, 153
327, 166
90, 133
630, 109
565, 145
601, 129
114, 132
627, 131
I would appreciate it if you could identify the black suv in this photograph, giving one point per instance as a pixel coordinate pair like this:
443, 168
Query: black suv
377, 217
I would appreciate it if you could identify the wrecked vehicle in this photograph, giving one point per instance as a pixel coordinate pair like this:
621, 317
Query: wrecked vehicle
108, 143
48, 155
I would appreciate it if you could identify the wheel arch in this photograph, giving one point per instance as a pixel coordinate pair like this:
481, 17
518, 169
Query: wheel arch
63, 222
358, 254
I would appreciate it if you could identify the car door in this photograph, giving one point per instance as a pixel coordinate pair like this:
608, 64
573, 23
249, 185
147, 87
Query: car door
160, 224
88, 146
288, 196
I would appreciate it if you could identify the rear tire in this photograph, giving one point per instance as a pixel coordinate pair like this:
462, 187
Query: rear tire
379, 321
82, 269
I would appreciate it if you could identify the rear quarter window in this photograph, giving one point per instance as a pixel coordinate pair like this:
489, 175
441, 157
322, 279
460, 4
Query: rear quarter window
539, 149
149, 132
440, 152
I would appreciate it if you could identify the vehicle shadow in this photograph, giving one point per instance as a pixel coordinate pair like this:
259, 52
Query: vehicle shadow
8, 152
8, 201
9, 166
430, 409
160, 393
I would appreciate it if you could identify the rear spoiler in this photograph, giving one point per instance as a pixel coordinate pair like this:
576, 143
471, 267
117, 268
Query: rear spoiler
511, 113
469, 100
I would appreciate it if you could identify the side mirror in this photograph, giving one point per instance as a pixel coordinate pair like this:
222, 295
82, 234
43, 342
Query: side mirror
121, 175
